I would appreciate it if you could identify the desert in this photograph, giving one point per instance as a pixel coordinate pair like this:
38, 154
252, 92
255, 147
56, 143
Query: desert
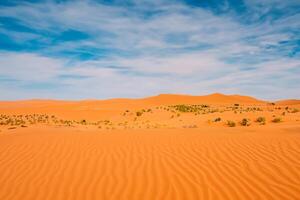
162, 147
149, 99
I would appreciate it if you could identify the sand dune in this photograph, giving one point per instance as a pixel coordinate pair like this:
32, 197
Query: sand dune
65, 163
150, 148
113, 106
164, 99
288, 102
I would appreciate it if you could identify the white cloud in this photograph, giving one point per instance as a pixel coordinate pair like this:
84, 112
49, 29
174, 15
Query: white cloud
29, 67
179, 49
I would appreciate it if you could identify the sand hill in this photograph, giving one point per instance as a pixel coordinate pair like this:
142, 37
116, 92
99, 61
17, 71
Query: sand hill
162, 147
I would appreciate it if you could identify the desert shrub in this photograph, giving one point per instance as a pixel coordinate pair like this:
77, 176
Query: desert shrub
276, 120
188, 108
245, 122
12, 127
236, 105
295, 110
217, 119
261, 120
230, 123
139, 113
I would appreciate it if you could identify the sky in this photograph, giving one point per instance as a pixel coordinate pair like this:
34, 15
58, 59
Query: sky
108, 49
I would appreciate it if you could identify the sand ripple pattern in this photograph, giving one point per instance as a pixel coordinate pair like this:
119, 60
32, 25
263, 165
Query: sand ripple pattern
53, 164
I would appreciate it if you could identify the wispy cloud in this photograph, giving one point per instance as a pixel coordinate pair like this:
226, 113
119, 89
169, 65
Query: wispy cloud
99, 50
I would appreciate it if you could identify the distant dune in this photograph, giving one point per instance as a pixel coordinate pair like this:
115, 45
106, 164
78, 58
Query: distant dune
215, 98
162, 99
90, 108
158, 100
288, 102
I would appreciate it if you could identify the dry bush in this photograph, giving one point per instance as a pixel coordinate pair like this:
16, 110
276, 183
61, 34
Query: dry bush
276, 120
230, 123
218, 119
245, 122
261, 120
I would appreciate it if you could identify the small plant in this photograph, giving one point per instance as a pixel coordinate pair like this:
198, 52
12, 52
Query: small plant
12, 127
217, 119
295, 110
230, 123
139, 113
236, 105
261, 120
245, 122
276, 120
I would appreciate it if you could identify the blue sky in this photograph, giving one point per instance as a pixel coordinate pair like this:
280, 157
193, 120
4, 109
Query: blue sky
106, 49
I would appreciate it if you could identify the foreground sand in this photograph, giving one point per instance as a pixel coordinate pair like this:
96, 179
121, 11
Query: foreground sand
48, 162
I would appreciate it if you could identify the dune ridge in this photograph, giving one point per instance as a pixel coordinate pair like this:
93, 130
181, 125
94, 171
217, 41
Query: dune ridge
160, 99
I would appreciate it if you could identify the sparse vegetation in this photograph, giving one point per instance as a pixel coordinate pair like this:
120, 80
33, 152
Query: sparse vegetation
231, 123
218, 119
261, 120
245, 122
139, 113
295, 110
276, 120
189, 108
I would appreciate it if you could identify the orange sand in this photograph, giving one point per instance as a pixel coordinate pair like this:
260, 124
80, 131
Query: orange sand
211, 161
